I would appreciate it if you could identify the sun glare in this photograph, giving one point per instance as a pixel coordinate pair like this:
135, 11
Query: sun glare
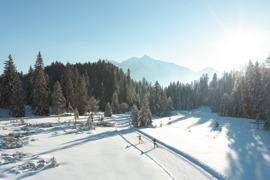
239, 47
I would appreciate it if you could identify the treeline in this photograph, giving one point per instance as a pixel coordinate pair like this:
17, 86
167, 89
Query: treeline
59, 88
244, 93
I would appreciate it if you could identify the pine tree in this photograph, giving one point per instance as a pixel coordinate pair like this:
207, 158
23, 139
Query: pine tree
157, 99
58, 100
17, 99
92, 106
237, 98
87, 83
68, 85
30, 87
115, 104
81, 96
129, 93
70, 92
108, 110
8, 83
134, 116
145, 118
40, 99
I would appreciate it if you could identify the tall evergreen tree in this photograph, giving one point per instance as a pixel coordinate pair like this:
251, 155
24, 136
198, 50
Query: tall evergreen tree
92, 105
58, 100
40, 99
145, 118
17, 107
134, 116
129, 93
108, 110
81, 96
30, 87
8, 82
115, 104
157, 99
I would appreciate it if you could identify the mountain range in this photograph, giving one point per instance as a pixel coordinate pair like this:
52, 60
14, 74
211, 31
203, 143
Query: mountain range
161, 71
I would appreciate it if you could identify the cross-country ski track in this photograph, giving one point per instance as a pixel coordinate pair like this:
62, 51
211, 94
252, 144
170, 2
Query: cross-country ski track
174, 162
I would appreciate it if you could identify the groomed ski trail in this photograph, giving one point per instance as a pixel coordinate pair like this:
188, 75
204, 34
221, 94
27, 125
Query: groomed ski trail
175, 165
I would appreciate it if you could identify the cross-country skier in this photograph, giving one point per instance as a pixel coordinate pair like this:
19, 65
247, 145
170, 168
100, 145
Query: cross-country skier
140, 139
155, 144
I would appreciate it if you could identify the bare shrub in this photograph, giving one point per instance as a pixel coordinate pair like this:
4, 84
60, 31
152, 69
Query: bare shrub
12, 142
109, 124
22, 121
54, 162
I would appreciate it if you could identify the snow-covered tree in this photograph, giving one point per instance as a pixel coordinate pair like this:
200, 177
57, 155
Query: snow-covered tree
40, 97
30, 87
108, 110
92, 105
17, 99
145, 118
58, 100
157, 99
134, 116
8, 82
80, 95
115, 103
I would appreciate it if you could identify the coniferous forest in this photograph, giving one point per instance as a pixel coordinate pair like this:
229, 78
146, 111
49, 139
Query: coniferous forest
88, 87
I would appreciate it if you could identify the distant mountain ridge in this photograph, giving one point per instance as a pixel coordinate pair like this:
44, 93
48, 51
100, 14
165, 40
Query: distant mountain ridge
161, 71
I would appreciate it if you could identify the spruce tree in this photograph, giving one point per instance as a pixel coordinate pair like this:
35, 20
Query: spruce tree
58, 100
129, 92
92, 105
157, 99
17, 107
108, 110
80, 96
115, 104
8, 82
145, 118
40, 98
134, 116
30, 87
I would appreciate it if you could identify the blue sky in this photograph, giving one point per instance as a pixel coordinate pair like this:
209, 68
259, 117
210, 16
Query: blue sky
196, 34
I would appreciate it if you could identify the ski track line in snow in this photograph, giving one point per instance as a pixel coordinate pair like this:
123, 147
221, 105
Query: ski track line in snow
194, 162
144, 153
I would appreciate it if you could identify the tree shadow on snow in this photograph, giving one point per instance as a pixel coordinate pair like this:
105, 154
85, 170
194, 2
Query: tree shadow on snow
251, 152
249, 157
84, 140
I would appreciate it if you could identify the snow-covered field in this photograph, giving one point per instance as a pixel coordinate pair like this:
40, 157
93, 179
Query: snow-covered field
190, 147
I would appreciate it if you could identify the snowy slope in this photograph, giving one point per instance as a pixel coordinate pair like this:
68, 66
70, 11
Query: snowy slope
238, 150
91, 154
189, 148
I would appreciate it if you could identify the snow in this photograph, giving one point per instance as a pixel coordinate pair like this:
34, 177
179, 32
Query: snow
190, 147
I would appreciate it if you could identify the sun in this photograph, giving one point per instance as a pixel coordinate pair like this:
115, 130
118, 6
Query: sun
238, 47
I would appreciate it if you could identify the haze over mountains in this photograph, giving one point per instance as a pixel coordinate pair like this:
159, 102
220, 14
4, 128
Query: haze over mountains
161, 71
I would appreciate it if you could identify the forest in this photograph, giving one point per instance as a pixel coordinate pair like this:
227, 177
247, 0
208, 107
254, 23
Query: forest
60, 88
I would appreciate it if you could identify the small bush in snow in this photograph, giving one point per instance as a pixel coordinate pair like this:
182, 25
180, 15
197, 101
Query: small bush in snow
22, 121
109, 124
58, 120
12, 142
25, 128
76, 114
69, 123
90, 124
12, 158
161, 124
54, 162
217, 124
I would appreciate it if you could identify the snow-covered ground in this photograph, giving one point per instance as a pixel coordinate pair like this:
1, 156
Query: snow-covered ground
190, 147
